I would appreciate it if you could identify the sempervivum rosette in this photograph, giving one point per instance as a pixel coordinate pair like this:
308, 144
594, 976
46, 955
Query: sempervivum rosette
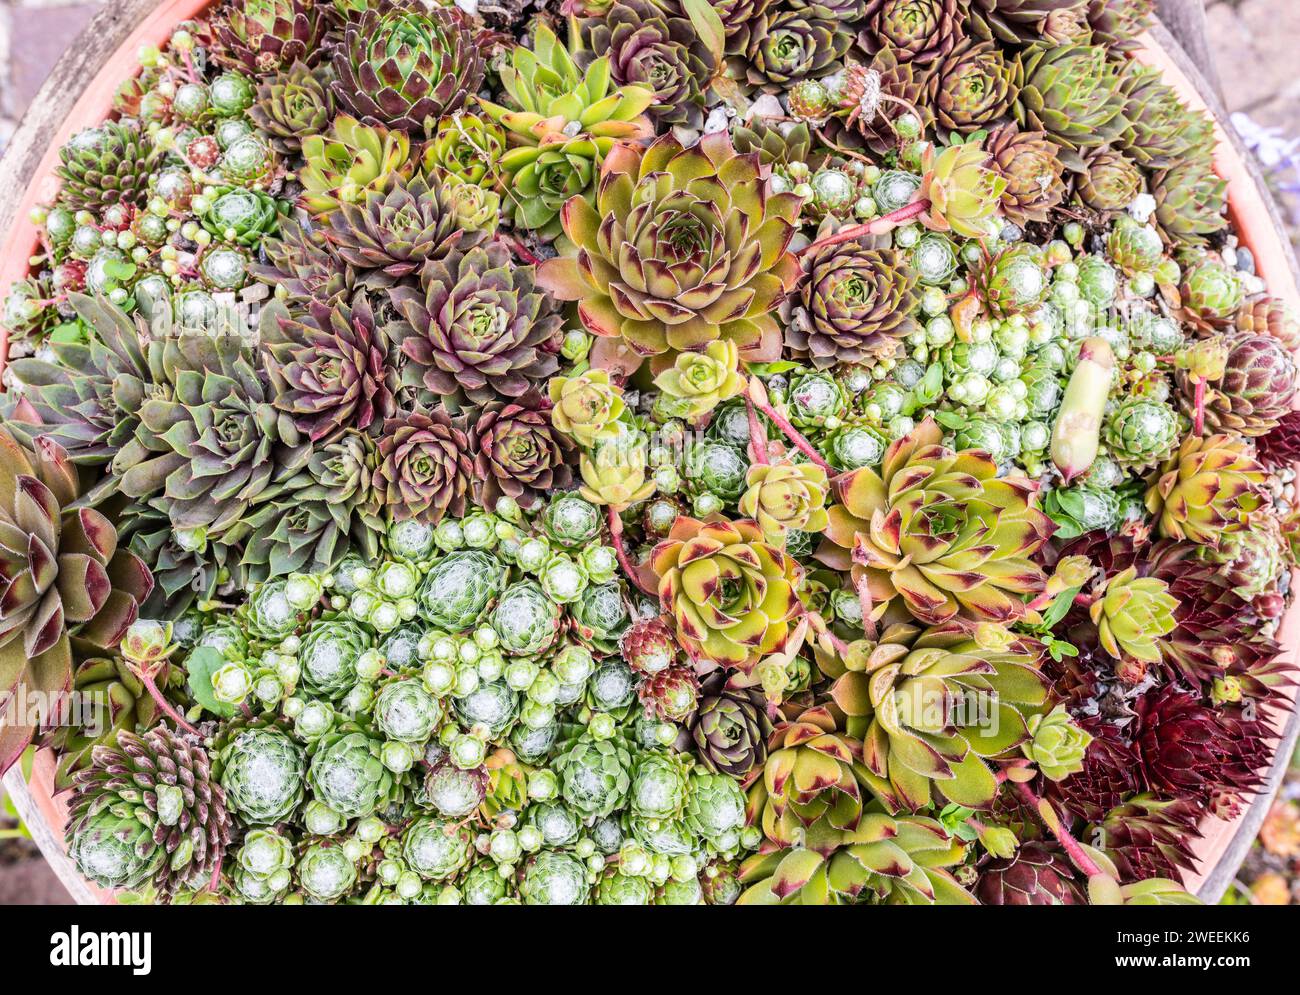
332, 368
939, 529
517, 451
424, 466
853, 304
477, 324
684, 246
404, 64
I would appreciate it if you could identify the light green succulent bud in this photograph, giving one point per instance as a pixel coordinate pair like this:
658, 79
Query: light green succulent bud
326, 873
504, 846
411, 540
384, 616
715, 808
573, 664
520, 674
563, 579
571, 521
448, 535
600, 563
558, 824
479, 530
303, 591
232, 683
467, 752
1057, 744
458, 589
398, 757
321, 820
439, 677
314, 720
436, 850
452, 791
659, 788
542, 785
406, 711
357, 700
536, 714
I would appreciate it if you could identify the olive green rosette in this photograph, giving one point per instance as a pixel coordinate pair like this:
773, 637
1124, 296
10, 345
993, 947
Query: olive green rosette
932, 708
939, 529
683, 247
731, 593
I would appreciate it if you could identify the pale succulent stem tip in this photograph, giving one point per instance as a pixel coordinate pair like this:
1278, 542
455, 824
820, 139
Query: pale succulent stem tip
1069, 844
1198, 399
166, 705
880, 226
620, 550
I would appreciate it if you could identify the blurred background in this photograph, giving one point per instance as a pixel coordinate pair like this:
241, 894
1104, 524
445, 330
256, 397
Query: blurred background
1254, 48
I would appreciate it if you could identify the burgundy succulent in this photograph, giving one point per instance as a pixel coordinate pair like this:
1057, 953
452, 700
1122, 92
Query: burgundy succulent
920, 30
670, 695
1109, 775
425, 469
1280, 446
1038, 874
331, 368
1190, 750
477, 325
518, 452
1151, 838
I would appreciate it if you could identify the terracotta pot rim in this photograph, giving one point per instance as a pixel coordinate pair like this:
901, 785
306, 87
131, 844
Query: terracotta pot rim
1248, 211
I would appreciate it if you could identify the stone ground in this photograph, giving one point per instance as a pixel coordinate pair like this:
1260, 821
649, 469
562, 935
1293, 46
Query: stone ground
1254, 42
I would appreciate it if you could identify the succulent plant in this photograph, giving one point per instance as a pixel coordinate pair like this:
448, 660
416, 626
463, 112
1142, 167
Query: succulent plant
898, 694
1071, 92
292, 104
425, 468
564, 122
781, 497
1160, 129
698, 381
1033, 171
744, 613
517, 451
349, 161
1206, 490
346, 773
478, 325
459, 588
789, 44
963, 191
930, 514
1110, 181
303, 266
1012, 281
852, 305
1141, 433
1191, 201
330, 368
920, 31
970, 87
147, 809
404, 65
108, 165
62, 575
396, 230
1057, 744
1149, 838
1255, 391
267, 35
729, 728
1133, 614
586, 407
741, 233
1036, 874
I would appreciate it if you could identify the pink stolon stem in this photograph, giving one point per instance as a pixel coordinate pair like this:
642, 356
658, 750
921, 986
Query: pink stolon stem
1198, 423
620, 550
880, 226
166, 705
757, 436
1068, 843
793, 434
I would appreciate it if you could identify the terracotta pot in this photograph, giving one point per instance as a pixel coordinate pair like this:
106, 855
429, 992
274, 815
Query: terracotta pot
1224, 843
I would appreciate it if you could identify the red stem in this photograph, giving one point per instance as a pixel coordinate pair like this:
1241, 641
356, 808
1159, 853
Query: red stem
625, 561
165, 705
879, 226
865, 600
1198, 423
757, 436
793, 434
521, 250
1068, 843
